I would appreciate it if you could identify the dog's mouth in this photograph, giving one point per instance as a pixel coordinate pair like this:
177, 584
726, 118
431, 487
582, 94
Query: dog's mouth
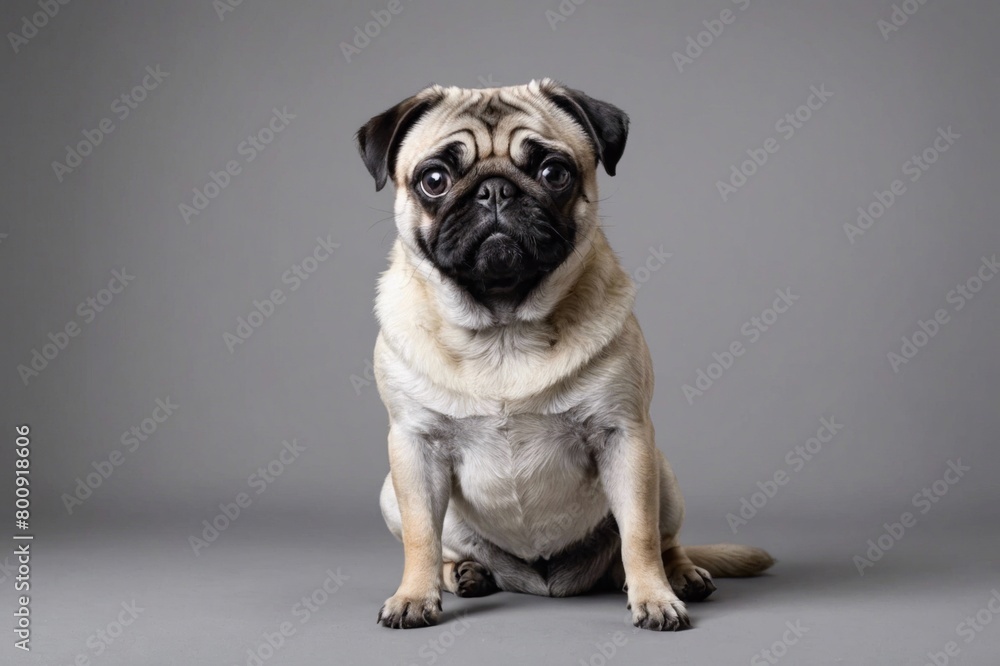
501, 263
501, 285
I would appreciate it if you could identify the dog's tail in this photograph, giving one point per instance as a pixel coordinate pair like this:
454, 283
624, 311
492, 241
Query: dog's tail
729, 560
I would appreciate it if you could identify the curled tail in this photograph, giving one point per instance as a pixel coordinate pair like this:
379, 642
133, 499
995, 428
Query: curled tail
729, 560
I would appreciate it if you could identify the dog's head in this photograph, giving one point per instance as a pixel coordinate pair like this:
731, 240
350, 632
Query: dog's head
495, 186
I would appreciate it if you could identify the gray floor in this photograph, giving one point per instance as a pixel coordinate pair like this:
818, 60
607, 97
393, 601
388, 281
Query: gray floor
213, 608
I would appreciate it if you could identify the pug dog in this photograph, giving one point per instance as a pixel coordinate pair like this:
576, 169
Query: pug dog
515, 375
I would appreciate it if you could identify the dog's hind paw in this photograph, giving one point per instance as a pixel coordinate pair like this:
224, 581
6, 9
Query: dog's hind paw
472, 579
691, 583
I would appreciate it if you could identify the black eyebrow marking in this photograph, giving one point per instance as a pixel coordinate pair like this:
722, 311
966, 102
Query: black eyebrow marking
534, 152
450, 154
472, 137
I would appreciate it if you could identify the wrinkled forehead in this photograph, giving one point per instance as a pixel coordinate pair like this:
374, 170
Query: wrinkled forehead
505, 123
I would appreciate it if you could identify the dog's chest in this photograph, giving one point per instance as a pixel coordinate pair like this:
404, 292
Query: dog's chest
528, 483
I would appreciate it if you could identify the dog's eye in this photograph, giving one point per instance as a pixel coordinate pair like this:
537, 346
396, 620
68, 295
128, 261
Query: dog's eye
435, 182
555, 176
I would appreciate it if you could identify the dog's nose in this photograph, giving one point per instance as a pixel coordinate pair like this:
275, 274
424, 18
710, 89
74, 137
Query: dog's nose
496, 192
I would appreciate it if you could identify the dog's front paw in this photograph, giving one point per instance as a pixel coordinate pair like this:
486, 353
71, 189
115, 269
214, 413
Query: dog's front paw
404, 612
663, 612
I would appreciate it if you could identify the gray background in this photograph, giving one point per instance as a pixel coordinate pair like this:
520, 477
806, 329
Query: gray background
301, 375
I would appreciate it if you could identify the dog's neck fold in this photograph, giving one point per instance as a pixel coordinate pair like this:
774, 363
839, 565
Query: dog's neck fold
441, 332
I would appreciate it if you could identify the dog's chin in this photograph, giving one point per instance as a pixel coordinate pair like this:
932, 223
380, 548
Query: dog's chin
502, 269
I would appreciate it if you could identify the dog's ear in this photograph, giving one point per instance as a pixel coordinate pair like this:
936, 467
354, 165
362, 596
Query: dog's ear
379, 139
605, 123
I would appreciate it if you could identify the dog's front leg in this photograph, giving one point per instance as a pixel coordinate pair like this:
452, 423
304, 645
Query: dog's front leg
630, 472
421, 476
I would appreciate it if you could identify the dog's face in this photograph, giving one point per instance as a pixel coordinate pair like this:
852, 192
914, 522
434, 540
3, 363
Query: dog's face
495, 186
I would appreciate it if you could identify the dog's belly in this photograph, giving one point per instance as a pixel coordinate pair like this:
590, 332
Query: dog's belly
527, 483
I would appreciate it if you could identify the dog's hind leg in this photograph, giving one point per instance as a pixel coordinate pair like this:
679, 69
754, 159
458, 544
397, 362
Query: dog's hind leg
583, 567
468, 578
472, 565
477, 559
690, 568
689, 582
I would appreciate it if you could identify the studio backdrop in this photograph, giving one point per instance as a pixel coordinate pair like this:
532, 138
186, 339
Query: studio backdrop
189, 246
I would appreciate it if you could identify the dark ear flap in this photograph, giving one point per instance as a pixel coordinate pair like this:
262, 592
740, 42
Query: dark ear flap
379, 139
606, 124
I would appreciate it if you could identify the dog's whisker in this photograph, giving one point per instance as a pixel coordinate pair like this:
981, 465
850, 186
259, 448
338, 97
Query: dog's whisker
384, 219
